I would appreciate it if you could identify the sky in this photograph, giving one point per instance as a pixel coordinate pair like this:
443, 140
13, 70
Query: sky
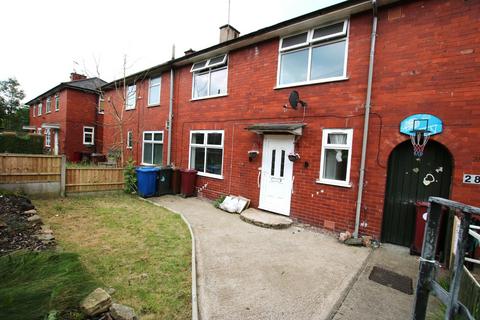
44, 41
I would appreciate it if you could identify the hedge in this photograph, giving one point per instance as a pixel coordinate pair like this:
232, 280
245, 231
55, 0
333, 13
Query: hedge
12, 142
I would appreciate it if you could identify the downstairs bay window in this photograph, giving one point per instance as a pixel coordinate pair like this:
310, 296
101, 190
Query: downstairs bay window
152, 151
206, 152
336, 157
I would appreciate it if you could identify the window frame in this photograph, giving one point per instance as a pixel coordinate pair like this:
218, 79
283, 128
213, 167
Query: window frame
149, 104
348, 146
152, 142
48, 105
130, 140
92, 133
100, 100
39, 109
208, 69
206, 145
310, 45
34, 110
127, 97
47, 142
57, 102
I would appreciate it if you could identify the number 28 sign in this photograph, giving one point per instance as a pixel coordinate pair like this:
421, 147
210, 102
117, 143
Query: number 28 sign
471, 178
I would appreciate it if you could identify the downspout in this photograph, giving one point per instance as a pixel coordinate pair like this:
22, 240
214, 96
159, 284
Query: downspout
361, 179
170, 117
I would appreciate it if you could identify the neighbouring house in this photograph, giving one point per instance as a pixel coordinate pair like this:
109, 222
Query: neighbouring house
69, 117
226, 113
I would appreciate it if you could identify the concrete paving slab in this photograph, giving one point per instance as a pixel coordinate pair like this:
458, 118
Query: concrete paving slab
369, 300
247, 272
265, 219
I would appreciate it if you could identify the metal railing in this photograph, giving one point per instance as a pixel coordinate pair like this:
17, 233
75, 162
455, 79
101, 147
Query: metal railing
428, 266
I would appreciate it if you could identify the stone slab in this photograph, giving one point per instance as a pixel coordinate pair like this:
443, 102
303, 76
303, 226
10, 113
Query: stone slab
265, 219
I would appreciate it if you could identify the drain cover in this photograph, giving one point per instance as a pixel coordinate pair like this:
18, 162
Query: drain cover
391, 279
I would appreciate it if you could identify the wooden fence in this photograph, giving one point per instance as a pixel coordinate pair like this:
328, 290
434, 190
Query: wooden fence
94, 179
469, 293
48, 175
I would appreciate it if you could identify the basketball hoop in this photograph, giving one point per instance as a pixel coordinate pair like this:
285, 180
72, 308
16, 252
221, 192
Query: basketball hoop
419, 139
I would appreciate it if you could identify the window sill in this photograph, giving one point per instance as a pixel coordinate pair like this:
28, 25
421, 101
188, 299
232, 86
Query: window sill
210, 97
89, 144
153, 105
343, 184
210, 175
307, 83
129, 109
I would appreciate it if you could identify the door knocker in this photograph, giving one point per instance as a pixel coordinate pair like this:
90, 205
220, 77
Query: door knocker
429, 178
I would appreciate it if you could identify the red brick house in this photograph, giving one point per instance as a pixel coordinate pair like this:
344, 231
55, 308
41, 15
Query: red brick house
68, 116
230, 117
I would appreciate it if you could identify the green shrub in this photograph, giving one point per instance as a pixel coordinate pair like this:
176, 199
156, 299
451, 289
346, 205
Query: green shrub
12, 142
130, 177
218, 201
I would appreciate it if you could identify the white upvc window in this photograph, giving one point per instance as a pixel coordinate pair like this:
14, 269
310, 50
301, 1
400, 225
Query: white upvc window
314, 56
48, 105
129, 139
131, 97
39, 130
101, 104
33, 110
57, 102
88, 135
336, 157
206, 152
154, 88
210, 77
47, 137
152, 151
39, 109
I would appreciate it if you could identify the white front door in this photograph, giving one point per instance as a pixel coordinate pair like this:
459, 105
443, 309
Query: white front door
276, 174
55, 142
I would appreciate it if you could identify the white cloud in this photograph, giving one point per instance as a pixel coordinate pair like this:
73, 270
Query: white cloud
42, 39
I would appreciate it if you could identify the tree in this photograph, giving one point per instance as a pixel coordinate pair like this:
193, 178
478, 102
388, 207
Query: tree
13, 115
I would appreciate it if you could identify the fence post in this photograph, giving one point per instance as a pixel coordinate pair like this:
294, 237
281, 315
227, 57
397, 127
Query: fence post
458, 265
427, 261
63, 177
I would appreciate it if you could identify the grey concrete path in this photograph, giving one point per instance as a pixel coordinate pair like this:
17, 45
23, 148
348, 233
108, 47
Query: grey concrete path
368, 300
249, 272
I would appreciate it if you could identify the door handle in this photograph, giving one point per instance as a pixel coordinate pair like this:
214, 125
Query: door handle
258, 178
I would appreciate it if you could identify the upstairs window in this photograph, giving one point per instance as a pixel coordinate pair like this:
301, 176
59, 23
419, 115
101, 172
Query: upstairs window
33, 111
316, 55
101, 104
336, 157
88, 135
154, 91
39, 109
210, 77
48, 106
206, 152
57, 102
131, 97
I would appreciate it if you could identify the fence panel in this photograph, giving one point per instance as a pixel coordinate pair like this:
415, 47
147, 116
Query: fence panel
24, 168
469, 294
94, 179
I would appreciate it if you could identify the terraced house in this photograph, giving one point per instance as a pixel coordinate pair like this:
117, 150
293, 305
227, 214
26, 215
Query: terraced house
313, 117
67, 116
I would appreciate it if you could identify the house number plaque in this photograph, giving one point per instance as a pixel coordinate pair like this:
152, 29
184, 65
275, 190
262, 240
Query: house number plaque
471, 178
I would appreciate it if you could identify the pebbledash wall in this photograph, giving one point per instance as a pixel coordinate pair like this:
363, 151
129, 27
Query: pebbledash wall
76, 110
426, 61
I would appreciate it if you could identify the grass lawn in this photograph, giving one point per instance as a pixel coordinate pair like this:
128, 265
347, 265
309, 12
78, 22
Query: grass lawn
140, 250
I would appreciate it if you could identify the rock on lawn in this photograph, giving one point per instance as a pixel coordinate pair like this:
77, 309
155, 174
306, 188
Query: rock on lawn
121, 312
96, 302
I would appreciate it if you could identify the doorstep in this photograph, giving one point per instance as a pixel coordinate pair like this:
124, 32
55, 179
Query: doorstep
265, 219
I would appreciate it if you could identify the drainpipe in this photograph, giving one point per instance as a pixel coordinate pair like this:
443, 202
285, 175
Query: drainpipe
170, 117
361, 179
170, 112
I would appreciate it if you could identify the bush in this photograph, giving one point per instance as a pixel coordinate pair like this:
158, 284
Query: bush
130, 177
12, 142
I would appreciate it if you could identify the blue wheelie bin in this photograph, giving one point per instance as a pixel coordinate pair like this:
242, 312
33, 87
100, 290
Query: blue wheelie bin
147, 181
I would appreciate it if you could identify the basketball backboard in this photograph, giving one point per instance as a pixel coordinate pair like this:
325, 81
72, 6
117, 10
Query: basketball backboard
427, 123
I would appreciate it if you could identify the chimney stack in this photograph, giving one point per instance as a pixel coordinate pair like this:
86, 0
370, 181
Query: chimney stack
77, 76
189, 51
227, 32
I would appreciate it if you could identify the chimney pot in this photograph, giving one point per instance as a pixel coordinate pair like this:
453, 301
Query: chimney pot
227, 32
189, 51
77, 76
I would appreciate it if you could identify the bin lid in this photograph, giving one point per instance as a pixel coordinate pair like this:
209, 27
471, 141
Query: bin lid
147, 169
188, 170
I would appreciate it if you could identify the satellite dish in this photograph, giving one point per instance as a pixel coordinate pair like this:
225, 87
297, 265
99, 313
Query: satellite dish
294, 99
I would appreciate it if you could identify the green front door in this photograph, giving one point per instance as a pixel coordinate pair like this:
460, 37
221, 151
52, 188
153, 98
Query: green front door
410, 180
